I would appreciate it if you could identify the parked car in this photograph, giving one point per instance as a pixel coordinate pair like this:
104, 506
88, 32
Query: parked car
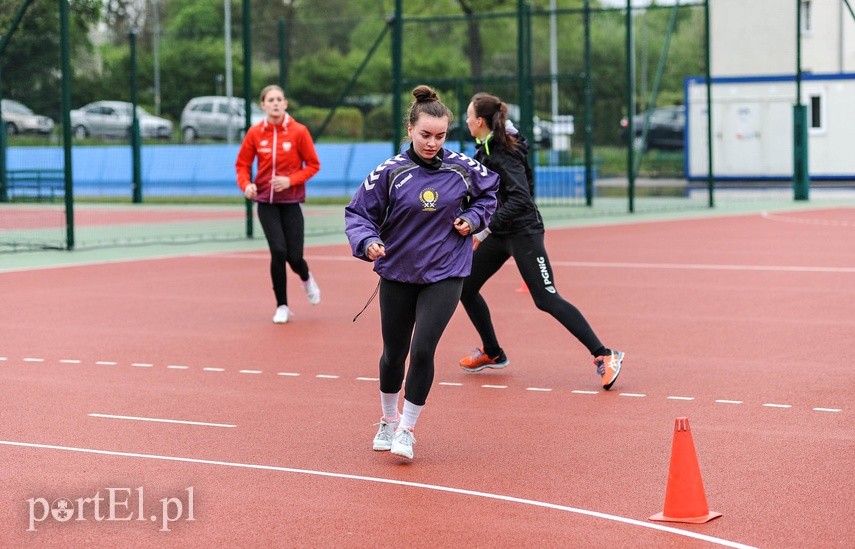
214, 116
665, 131
541, 129
21, 119
114, 119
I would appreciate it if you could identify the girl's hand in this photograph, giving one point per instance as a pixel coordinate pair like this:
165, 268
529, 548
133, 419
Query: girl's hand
251, 191
375, 250
462, 227
280, 182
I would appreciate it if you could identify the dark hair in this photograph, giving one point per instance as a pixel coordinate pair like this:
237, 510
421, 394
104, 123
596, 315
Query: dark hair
427, 101
495, 112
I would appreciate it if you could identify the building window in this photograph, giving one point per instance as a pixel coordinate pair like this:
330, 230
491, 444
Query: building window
816, 112
807, 20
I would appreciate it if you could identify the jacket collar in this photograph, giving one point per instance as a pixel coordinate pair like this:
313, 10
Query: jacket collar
433, 164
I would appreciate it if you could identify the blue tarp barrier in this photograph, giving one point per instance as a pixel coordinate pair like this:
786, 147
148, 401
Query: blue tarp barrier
208, 170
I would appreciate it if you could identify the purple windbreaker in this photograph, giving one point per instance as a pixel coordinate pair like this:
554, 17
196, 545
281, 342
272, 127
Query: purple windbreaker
409, 206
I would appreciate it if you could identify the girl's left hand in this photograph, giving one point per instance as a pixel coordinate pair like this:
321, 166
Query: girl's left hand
462, 227
280, 182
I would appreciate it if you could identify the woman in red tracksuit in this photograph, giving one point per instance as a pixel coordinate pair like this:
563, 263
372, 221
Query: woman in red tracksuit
286, 160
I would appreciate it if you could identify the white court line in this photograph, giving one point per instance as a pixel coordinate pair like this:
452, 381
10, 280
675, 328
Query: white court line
368, 379
543, 389
177, 367
450, 384
34, 360
105, 363
213, 369
633, 395
704, 267
249, 371
770, 405
289, 374
729, 401
434, 487
160, 420
827, 410
142, 364
69, 361
494, 386
680, 398
580, 392
326, 376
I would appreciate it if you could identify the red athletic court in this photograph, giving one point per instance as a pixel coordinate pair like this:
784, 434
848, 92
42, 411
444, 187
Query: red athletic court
164, 385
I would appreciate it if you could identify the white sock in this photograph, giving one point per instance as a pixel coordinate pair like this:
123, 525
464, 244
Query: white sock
410, 415
389, 403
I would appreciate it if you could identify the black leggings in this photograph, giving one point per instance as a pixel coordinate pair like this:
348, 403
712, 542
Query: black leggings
417, 313
283, 226
529, 253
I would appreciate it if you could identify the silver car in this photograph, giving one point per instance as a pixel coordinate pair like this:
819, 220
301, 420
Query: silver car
21, 119
114, 119
214, 116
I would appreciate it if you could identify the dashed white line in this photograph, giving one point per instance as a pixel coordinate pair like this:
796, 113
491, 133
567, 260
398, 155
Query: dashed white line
161, 420
443, 383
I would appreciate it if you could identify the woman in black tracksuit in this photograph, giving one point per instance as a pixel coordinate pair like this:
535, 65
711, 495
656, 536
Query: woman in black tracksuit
516, 230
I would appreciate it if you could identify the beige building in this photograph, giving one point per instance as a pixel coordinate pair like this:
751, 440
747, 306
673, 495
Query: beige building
753, 66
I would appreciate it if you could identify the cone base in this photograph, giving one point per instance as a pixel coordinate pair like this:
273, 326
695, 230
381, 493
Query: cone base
691, 520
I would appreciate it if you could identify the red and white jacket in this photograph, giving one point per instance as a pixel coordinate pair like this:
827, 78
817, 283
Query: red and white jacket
281, 149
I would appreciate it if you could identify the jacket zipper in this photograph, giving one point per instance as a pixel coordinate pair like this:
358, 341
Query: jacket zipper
273, 172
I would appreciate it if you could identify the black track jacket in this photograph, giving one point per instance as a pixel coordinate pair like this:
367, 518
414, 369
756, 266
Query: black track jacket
517, 213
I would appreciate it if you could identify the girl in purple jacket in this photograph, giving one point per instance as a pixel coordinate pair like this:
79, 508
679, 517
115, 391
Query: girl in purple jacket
414, 217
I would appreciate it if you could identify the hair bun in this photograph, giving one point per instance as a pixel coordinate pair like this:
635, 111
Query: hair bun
425, 93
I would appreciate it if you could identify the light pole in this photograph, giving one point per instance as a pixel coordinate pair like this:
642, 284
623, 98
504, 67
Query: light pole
227, 5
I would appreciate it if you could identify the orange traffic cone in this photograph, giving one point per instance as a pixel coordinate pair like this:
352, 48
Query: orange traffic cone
685, 500
523, 289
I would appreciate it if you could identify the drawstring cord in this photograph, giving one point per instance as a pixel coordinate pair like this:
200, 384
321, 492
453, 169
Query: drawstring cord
370, 299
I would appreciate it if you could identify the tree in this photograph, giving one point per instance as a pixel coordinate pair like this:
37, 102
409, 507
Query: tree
31, 61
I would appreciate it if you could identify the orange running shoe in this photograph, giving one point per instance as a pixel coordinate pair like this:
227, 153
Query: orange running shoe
608, 368
477, 361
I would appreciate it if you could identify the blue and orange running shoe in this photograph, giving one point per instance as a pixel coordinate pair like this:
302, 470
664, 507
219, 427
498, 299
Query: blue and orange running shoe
608, 367
478, 360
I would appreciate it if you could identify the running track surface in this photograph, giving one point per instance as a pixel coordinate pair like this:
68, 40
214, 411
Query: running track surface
165, 381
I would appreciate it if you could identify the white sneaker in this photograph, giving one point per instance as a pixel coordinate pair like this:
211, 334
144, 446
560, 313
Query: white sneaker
283, 313
312, 290
402, 442
383, 438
